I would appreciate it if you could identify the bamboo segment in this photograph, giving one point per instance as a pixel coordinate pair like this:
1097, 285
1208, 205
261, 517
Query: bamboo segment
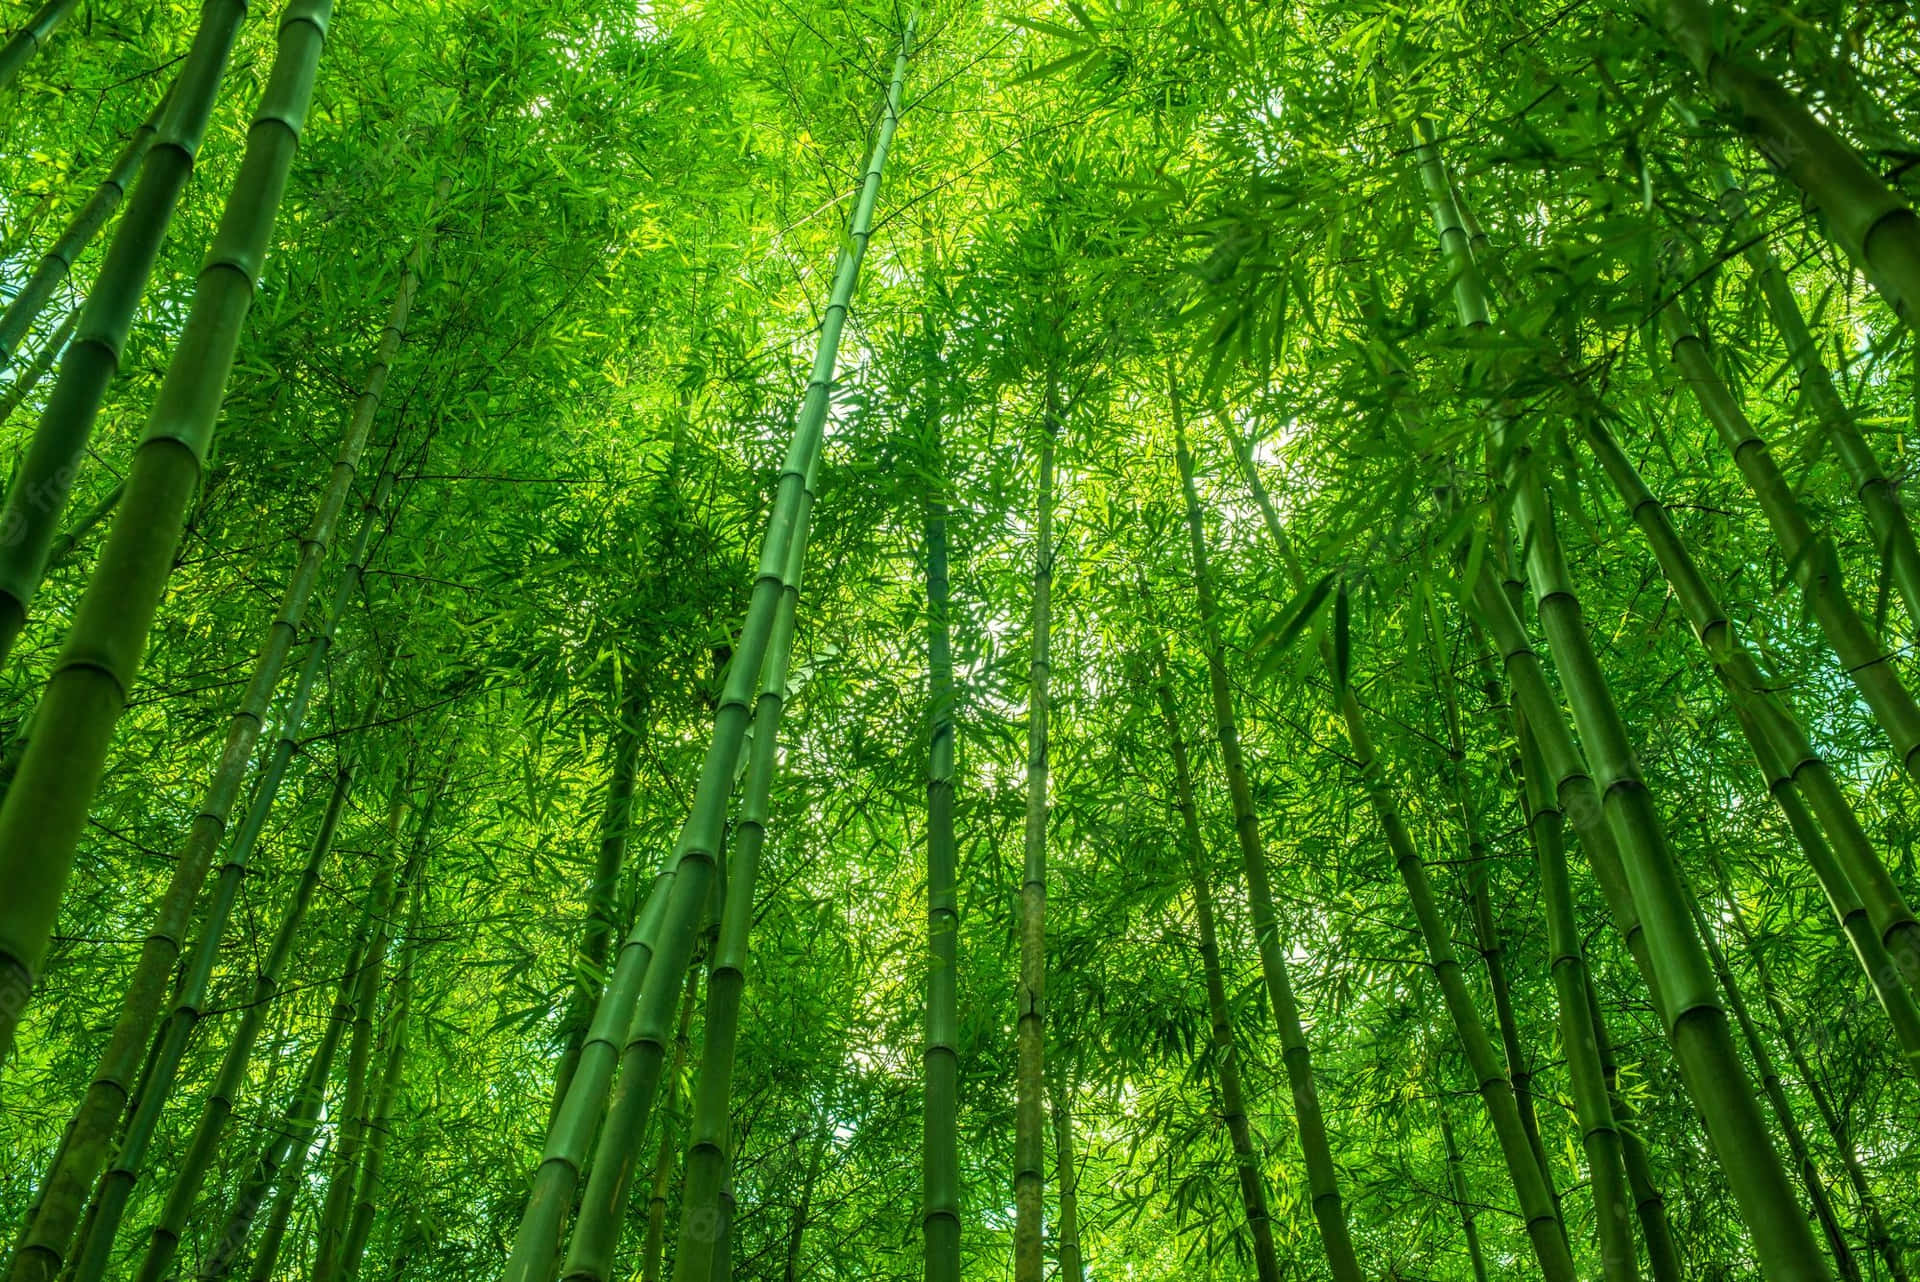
1322, 1178
940, 1145
1029, 1142
56, 265
1069, 1267
1810, 556
38, 492
1869, 220
1226, 1051
26, 40
43, 814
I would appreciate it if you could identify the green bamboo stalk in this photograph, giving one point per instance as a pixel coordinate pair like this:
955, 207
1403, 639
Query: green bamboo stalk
1531, 1187
1457, 1176
209, 826
1479, 900
107, 1096
1869, 219
28, 376
1069, 1267
380, 1118
1226, 1050
1879, 1237
1592, 1103
655, 1242
1892, 532
597, 939
43, 814
26, 41
56, 265
803, 1210
1869, 906
284, 1154
96, 1244
572, 1127
940, 1146
695, 853
1811, 557
707, 1151
351, 1133
1683, 987
1649, 1204
1763, 1062
68, 543
1322, 1177
37, 494
1029, 1144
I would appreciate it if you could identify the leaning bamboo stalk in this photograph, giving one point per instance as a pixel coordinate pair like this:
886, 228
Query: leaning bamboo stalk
696, 852
1226, 1050
1524, 1167
56, 265
43, 814
28, 376
172, 914
1790, 1130
707, 1151
1811, 557
380, 1118
1870, 220
351, 1135
28, 39
1682, 984
1069, 1267
95, 1243
1457, 1178
1322, 1177
1869, 906
283, 1156
38, 492
1893, 534
1879, 1237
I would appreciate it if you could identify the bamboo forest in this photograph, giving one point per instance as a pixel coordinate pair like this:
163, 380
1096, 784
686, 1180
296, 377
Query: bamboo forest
1053, 641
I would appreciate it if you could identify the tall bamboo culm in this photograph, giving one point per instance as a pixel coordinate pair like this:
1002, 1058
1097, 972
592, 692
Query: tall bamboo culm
1524, 1168
685, 890
1868, 218
56, 265
1226, 1050
38, 492
708, 1152
42, 816
1029, 1142
173, 912
1323, 1181
940, 1140
1683, 985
